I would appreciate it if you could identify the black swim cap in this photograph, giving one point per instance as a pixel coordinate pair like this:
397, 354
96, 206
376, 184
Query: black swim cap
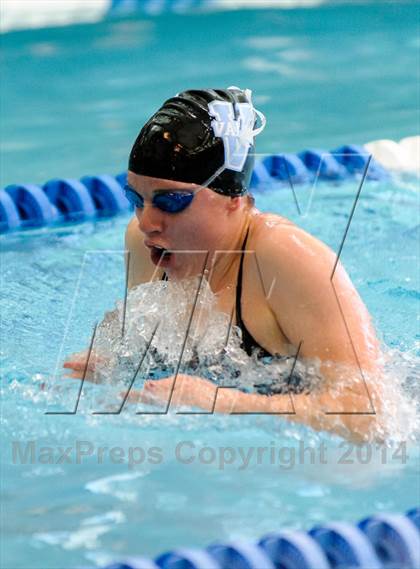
201, 135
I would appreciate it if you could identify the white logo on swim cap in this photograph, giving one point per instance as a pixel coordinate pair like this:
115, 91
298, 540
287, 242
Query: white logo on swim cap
237, 133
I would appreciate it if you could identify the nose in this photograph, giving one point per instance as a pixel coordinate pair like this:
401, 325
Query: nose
150, 219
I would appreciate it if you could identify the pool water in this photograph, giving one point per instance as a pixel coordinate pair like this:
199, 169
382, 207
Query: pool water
73, 98
56, 284
73, 101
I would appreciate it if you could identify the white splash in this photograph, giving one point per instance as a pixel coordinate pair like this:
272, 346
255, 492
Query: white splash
180, 325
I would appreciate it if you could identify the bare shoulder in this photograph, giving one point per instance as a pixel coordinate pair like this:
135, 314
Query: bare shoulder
311, 292
281, 245
301, 265
140, 267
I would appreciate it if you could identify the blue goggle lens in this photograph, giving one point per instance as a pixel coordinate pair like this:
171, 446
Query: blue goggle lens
134, 198
167, 201
172, 202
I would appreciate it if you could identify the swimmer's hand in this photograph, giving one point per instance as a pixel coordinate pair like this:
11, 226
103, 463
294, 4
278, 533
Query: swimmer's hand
83, 366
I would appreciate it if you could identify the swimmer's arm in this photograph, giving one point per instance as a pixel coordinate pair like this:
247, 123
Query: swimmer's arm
320, 411
314, 301
325, 317
310, 409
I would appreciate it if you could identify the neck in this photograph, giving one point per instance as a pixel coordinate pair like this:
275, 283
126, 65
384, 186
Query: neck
224, 263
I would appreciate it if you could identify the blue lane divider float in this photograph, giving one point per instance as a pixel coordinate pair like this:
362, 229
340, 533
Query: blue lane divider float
32, 204
383, 541
9, 215
414, 516
71, 198
346, 546
281, 167
187, 559
395, 539
65, 200
291, 549
241, 555
326, 164
154, 7
107, 193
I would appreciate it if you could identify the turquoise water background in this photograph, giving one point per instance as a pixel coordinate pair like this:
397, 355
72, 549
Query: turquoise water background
72, 101
74, 98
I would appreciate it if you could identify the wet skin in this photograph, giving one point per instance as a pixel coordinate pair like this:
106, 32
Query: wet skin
288, 300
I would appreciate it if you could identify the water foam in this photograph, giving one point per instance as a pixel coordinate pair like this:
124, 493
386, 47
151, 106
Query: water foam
184, 327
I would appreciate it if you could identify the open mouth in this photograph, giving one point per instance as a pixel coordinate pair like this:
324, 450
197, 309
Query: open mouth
160, 256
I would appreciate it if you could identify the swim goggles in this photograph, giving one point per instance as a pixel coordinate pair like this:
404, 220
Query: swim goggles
169, 201
165, 200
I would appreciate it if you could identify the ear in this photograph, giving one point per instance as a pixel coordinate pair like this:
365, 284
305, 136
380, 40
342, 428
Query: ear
234, 204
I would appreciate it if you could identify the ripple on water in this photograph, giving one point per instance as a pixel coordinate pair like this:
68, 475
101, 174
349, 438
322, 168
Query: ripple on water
400, 291
117, 485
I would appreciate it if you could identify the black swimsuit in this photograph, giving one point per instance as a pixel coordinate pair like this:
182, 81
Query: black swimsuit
289, 383
294, 383
249, 344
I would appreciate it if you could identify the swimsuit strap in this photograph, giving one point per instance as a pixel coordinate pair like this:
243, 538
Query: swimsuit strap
239, 321
248, 341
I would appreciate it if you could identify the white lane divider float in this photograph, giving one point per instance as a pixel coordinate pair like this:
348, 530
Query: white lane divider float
23, 14
402, 156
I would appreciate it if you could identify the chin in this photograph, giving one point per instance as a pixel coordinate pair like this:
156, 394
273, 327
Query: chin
183, 272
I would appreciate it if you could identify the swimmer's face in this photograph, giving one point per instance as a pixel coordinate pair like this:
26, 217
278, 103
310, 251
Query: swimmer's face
189, 234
